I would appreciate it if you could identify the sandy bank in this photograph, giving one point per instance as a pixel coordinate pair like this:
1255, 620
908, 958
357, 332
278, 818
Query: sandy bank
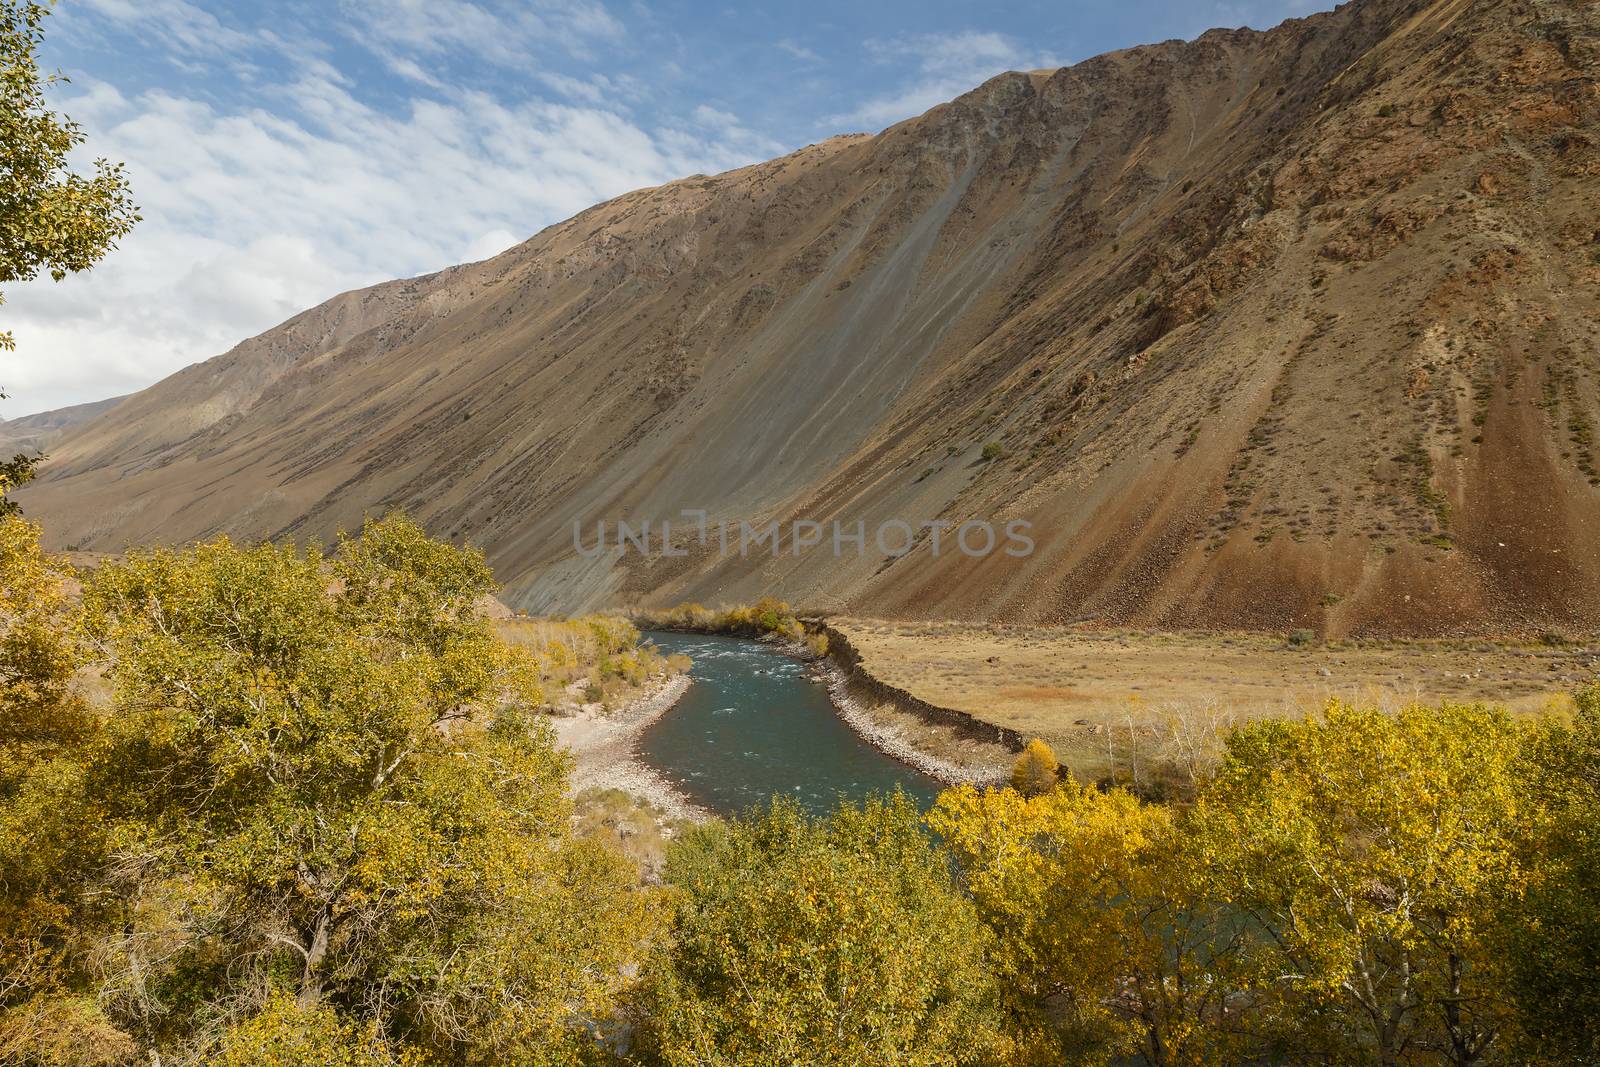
602, 747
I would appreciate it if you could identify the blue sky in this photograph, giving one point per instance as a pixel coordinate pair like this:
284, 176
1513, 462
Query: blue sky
282, 152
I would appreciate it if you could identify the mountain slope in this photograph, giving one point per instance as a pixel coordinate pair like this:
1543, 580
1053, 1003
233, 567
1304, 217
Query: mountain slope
35, 433
1292, 328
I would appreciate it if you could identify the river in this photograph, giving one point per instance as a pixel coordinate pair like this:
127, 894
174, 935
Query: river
754, 724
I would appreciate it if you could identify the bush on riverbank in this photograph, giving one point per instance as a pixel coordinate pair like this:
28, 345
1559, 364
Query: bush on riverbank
602, 652
824, 941
319, 816
1037, 770
766, 617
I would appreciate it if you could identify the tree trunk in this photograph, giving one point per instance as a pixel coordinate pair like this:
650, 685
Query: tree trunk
1467, 1043
311, 977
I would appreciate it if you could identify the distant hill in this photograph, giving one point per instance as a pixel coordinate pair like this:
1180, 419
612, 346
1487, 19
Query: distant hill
35, 433
1268, 329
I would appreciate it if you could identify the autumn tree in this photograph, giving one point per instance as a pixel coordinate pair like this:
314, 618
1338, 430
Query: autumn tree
1554, 951
51, 837
1374, 855
1103, 938
327, 785
840, 941
52, 219
1036, 770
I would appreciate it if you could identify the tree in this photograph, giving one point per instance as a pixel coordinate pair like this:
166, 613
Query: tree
285, 1034
51, 219
1102, 936
14, 472
51, 838
1555, 949
1037, 770
1375, 858
327, 784
831, 942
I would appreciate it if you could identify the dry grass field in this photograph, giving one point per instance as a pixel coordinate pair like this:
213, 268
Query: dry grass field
1098, 696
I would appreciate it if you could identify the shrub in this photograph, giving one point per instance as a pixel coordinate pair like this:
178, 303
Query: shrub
992, 451
1037, 770
836, 941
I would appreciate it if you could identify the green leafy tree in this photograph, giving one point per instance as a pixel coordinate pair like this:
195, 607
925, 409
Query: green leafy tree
14, 472
51, 219
328, 785
829, 942
1375, 856
1036, 770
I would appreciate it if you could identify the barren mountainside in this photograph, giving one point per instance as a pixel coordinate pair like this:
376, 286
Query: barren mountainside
1272, 329
34, 433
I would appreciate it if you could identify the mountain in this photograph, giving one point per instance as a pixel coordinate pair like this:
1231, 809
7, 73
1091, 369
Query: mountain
36, 433
1267, 329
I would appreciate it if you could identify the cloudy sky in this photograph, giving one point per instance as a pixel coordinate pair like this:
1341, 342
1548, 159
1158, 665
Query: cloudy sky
282, 151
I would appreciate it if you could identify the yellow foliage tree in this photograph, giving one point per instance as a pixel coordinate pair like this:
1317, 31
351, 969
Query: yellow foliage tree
1036, 770
1098, 922
1554, 950
52, 838
1376, 857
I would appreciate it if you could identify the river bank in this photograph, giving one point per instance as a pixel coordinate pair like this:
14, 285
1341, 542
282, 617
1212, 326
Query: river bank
946, 747
604, 755
909, 738
1115, 704
758, 723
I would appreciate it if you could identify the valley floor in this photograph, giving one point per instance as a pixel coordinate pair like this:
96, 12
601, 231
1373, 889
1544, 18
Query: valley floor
1102, 697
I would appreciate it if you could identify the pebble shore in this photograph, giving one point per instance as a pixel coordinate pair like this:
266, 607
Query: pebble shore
603, 750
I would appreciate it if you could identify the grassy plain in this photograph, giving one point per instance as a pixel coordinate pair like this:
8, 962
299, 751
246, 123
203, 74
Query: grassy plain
1102, 697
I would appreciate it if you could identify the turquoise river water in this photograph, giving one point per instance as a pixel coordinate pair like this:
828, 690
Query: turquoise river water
754, 724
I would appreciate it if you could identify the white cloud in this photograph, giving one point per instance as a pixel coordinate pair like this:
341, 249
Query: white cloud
706, 115
177, 25
800, 52
251, 215
501, 34
944, 66
488, 245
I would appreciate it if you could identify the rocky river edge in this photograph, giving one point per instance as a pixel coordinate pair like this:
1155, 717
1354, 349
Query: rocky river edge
604, 755
896, 739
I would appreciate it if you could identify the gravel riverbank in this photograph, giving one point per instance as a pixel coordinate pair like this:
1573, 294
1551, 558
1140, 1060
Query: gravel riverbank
602, 747
898, 739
